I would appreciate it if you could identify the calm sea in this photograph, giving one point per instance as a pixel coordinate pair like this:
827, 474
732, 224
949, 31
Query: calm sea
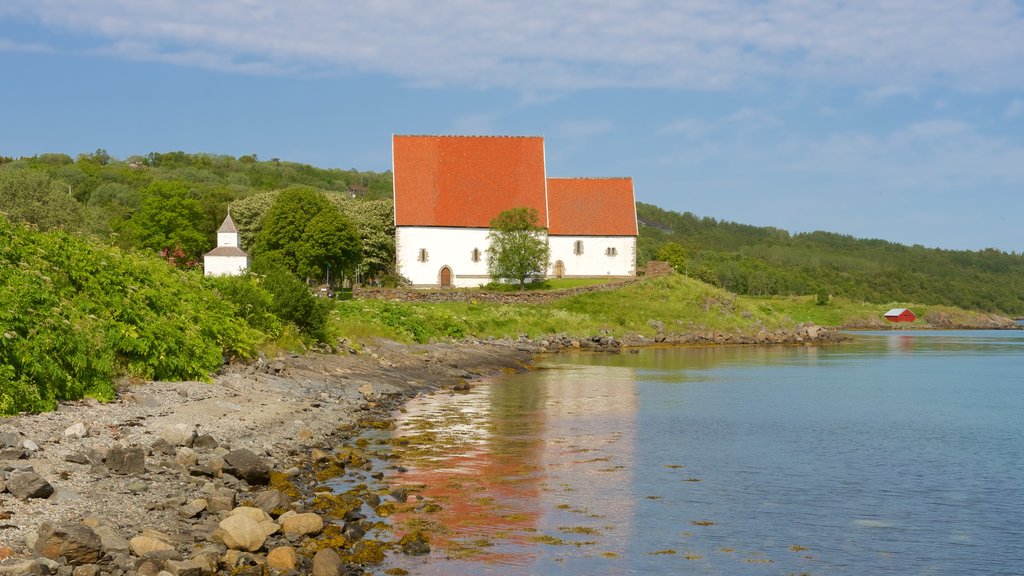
901, 453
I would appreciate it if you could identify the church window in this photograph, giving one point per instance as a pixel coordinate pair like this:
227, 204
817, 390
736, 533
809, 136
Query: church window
475, 256
611, 251
577, 247
423, 255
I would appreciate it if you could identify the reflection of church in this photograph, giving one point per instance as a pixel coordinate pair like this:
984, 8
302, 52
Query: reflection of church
529, 455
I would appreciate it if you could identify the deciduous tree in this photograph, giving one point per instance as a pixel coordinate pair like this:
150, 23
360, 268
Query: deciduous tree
518, 246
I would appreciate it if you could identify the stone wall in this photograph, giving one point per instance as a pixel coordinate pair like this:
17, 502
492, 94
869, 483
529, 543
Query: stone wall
455, 295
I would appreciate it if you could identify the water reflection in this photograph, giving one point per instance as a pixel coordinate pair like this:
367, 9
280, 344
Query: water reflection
899, 453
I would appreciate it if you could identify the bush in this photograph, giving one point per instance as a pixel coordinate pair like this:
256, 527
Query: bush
73, 315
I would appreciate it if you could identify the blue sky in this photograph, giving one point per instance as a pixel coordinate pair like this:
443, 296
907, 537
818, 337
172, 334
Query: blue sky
898, 120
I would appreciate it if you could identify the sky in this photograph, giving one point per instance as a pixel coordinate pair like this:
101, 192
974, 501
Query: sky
893, 119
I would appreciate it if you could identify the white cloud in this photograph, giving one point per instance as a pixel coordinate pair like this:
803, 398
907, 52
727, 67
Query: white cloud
571, 44
10, 46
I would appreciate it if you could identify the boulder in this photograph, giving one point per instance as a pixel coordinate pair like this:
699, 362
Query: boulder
77, 430
283, 558
327, 563
19, 567
121, 460
13, 454
185, 457
221, 500
144, 545
248, 466
111, 540
185, 567
77, 543
241, 532
193, 508
302, 524
86, 570
25, 484
180, 434
205, 442
10, 440
271, 500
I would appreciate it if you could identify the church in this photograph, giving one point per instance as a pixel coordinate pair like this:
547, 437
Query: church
447, 189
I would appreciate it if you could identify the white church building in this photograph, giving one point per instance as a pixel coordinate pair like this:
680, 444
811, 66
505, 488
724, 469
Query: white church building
447, 189
228, 258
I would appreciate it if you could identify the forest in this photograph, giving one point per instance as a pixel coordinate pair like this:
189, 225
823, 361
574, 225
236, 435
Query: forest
761, 261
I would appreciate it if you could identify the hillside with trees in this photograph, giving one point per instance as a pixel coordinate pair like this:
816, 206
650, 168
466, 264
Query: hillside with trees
762, 261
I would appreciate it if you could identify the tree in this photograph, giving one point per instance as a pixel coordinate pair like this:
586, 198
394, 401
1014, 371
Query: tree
167, 220
280, 236
675, 255
518, 246
307, 235
329, 243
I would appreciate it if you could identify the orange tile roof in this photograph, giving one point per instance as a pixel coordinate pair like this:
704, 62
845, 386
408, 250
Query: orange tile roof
466, 180
591, 207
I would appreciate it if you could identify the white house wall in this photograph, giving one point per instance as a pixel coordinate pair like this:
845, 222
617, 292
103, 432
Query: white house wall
451, 247
594, 261
225, 265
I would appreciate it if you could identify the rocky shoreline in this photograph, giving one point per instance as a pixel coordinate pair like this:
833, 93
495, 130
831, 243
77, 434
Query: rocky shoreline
189, 478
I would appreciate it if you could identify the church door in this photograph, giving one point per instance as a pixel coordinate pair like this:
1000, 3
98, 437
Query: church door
559, 269
446, 277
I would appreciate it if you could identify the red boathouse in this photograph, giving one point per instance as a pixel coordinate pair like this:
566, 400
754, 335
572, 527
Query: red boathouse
900, 315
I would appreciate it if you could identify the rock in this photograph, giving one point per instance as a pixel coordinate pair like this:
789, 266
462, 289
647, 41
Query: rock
143, 545
77, 543
77, 458
180, 434
193, 508
185, 457
19, 567
302, 524
327, 563
148, 568
241, 532
318, 456
86, 570
248, 466
111, 540
283, 558
76, 430
185, 567
13, 454
25, 484
271, 500
214, 466
122, 460
205, 442
161, 446
10, 440
414, 544
813, 331
221, 500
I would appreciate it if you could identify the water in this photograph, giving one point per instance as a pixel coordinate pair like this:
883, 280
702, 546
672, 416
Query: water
901, 453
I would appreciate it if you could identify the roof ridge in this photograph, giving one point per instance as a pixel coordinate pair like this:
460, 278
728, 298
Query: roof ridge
510, 136
590, 177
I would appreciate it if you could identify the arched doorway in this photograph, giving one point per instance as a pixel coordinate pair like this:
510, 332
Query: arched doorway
446, 277
559, 269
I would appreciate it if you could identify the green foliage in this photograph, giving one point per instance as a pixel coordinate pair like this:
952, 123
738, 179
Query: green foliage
167, 219
329, 243
518, 248
30, 196
674, 254
760, 261
73, 315
306, 234
402, 321
291, 301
